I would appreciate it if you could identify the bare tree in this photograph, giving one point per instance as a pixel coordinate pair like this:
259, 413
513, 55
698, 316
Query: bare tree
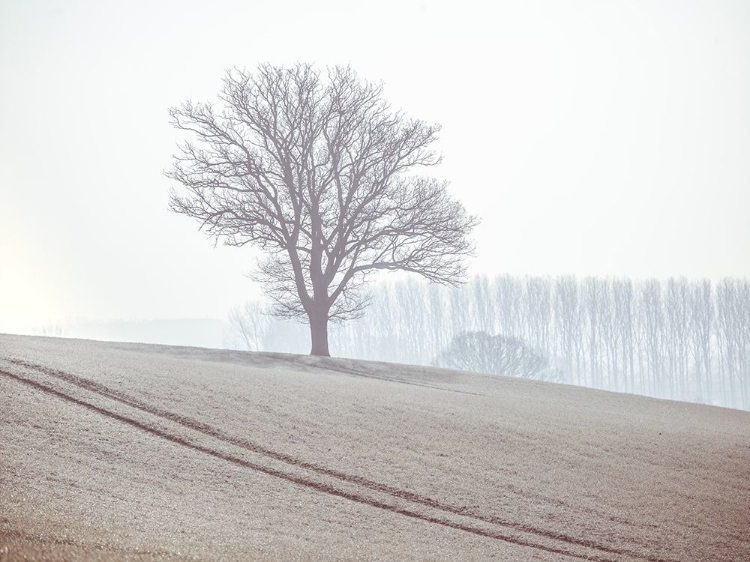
591, 292
653, 324
701, 331
538, 311
254, 328
495, 355
622, 293
568, 324
247, 327
610, 334
317, 171
733, 340
509, 293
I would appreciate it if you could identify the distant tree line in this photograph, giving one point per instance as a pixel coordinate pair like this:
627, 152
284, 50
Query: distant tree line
678, 339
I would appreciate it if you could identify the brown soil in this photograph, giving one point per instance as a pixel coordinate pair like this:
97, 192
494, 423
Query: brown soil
149, 452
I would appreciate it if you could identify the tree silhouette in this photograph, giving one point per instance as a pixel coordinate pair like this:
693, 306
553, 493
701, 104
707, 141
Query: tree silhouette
319, 173
496, 355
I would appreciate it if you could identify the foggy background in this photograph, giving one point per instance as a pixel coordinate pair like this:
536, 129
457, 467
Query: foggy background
606, 139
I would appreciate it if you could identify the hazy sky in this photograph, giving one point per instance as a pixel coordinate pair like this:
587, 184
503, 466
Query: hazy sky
602, 137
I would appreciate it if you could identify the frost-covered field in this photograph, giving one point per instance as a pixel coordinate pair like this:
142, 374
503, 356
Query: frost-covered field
124, 451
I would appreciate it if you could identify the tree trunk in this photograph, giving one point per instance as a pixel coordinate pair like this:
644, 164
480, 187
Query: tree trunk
319, 333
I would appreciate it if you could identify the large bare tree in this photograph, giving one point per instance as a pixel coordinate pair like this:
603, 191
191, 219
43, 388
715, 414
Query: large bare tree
318, 171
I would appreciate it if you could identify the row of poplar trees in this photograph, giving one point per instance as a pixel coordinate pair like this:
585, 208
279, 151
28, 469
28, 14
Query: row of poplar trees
679, 339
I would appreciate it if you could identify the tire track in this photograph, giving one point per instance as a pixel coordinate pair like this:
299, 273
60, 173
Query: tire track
210, 431
305, 482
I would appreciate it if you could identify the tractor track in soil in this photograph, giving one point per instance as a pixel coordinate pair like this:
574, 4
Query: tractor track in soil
562, 544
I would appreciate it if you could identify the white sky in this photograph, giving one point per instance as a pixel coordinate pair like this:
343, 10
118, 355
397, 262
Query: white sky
602, 137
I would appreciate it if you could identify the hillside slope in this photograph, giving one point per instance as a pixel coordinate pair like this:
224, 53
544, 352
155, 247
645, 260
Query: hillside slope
159, 453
